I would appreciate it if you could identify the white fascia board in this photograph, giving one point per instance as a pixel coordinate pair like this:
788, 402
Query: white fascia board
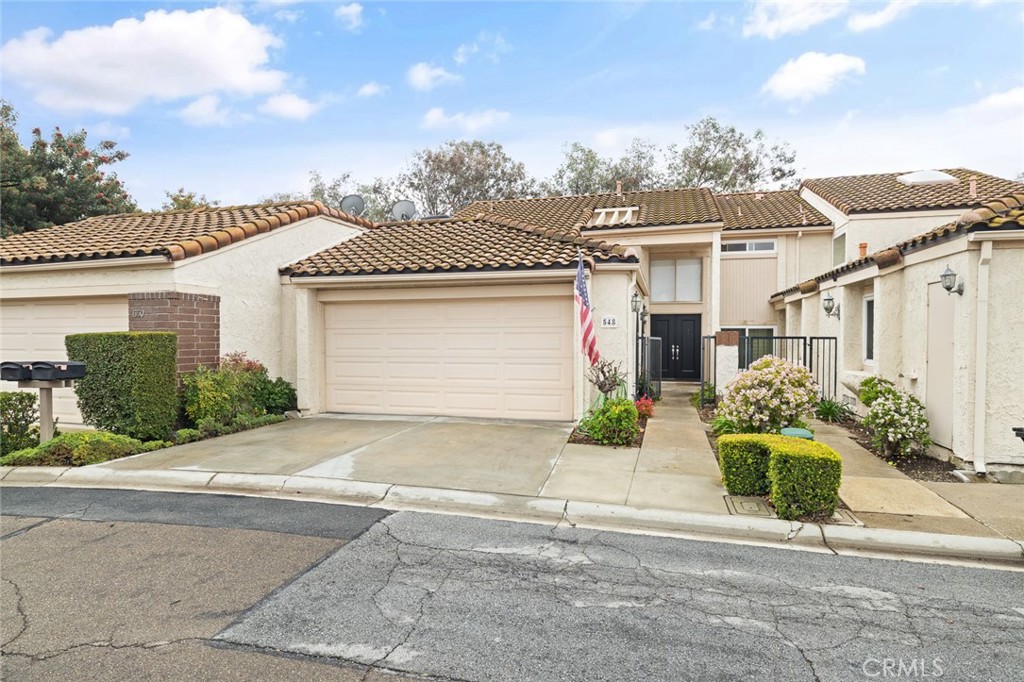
654, 229
443, 278
133, 262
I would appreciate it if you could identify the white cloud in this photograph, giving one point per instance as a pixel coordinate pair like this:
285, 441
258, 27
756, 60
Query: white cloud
371, 89
289, 16
866, 21
469, 123
351, 15
289, 105
425, 76
707, 23
811, 74
164, 56
109, 130
1009, 101
206, 111
774, 18
490, 45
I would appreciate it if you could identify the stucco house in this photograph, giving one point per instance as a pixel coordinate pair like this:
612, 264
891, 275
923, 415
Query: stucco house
210, 275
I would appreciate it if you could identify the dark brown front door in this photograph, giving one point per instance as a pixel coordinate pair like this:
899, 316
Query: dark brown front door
680, 345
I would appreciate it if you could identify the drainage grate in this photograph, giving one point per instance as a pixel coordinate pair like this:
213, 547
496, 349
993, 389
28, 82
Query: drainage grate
749, 506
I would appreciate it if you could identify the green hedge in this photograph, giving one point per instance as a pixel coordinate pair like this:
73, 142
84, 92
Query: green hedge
75, 449
805, 478
801, 477
743, 459
130, 386
18, 414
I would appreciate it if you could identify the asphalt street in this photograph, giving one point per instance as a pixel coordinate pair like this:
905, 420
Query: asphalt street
130, 585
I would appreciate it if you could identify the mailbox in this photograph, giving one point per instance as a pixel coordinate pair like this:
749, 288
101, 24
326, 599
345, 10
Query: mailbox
57, 370
15, 371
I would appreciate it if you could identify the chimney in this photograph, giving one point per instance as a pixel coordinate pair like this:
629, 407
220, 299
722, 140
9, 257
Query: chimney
863, 249
618, 188
974, 187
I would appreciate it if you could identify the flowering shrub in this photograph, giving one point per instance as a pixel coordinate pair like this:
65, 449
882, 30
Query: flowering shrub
898, 422
613, 423
772, 394
645, 407
872, 387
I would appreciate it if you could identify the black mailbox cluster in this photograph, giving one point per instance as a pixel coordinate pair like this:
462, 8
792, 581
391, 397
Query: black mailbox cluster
42, 370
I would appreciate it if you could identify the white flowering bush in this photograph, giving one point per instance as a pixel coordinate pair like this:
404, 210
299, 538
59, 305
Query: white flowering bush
898, 423
772, 394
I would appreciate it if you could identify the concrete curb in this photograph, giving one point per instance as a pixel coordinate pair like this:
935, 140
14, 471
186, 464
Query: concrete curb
705, 526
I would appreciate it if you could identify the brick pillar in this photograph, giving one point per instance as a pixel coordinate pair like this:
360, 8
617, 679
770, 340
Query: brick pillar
727, 358
195, 318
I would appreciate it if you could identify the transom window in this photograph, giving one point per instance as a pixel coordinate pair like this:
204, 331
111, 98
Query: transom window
620, 215
760, 245
676, 281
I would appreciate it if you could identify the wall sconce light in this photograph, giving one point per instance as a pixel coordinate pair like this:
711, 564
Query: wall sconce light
643, 314
636, 302
948, 279
830, 306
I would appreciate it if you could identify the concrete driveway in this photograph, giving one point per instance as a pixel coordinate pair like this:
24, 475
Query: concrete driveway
436, 452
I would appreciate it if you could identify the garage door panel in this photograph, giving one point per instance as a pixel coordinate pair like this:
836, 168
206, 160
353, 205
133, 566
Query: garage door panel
35, 330
494, 357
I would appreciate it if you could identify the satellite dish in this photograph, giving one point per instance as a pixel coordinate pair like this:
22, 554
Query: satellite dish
353, 204
403, 210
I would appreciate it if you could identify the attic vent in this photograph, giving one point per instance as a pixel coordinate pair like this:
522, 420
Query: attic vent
927, 177
622, 215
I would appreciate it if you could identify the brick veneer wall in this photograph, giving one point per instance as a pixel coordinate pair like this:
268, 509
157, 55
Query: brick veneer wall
194, 317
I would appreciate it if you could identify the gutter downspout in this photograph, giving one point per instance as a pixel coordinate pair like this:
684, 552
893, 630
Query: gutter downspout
981, 358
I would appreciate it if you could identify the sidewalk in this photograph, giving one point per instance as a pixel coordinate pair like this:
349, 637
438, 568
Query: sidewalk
670, 485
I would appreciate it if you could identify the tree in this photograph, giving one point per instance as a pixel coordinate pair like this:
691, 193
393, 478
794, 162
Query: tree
442, 180
327, 192
725, 159
57, 181
180, 200
583, 171
1020, 177
638, 168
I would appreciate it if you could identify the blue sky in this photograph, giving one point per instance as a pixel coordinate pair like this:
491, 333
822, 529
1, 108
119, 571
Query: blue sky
240, 100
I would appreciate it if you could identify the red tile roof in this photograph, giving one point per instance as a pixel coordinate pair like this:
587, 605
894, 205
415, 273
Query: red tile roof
762, 210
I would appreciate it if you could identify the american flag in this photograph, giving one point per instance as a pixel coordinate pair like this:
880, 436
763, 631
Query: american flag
587, 332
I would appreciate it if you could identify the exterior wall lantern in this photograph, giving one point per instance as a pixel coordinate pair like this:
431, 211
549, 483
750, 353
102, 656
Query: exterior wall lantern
948, 279
830, 306
636, 302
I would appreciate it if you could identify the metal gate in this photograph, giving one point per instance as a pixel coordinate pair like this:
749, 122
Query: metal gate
649, 362
819, 354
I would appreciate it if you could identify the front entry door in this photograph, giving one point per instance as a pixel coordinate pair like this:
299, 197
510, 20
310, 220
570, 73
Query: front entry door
680, 345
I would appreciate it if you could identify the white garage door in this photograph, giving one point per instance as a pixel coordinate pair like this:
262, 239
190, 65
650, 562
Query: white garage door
36, 330
508, 358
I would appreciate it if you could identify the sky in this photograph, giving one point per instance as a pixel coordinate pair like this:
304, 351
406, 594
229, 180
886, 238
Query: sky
238, 101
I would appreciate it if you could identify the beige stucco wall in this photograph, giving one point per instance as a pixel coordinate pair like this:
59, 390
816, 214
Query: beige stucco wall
802, 255
610, 294
1004, 408
883, 230
244, 275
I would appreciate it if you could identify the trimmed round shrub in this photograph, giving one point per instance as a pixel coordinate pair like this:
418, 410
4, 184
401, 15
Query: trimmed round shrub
773, 394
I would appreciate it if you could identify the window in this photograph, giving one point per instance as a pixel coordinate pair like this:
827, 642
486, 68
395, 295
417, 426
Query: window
759, 246
869, 329
839, 250
622, 215
761, 342
676, 281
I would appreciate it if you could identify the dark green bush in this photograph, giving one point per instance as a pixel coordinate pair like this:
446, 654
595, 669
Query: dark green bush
238, 388
832, 411
743, 459
75, 449
130, 386
275, 397
805, 478
152, 445
615, 422
18, 413
706, 395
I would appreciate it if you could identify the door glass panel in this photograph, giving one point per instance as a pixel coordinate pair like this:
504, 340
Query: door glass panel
663, 281
688, 279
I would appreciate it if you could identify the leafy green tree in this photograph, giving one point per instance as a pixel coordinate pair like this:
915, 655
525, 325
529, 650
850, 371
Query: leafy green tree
329, 192
442, 180
639, 167
182, 200
57, 181
582, 171
726, 159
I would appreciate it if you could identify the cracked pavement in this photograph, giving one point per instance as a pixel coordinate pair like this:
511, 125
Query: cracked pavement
471, 599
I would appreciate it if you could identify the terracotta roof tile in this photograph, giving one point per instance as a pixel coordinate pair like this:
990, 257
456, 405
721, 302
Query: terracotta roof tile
883, 192
491, 242
753, 210
173, 234
1005, 213
571, 213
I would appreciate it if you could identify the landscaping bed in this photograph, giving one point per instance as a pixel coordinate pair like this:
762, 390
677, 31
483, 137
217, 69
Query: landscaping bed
581, 438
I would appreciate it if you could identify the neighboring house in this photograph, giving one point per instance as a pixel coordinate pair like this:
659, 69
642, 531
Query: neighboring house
957, 351
210, 275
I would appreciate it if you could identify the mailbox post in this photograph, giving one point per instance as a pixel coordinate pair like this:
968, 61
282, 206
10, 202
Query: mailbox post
45, 376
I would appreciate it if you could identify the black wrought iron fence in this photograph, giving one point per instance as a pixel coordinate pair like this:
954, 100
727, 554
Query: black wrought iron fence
649, 375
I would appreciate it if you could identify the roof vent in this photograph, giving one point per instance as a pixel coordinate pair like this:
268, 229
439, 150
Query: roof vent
759, 196
927, 177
